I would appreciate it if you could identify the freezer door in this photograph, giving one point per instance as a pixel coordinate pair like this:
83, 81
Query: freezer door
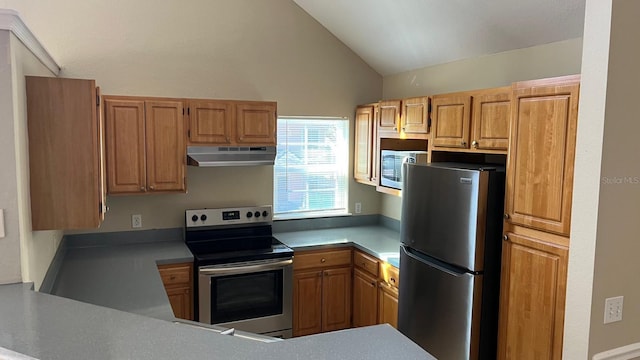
443, 213
439, 309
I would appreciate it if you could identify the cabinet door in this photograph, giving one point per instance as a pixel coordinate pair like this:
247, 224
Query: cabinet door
210, 122
307, 302
365, 299
64, 153
387, 305
491, 113
181, 302
451, 116
389, 117
415, 115
256, 123
541, 157
364, 144
166, 151
532, 299
336, 299
125, 143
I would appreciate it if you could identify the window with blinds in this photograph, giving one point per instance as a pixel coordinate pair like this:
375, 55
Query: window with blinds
311, 167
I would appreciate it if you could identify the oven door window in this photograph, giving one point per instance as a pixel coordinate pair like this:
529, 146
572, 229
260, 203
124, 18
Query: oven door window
246, 296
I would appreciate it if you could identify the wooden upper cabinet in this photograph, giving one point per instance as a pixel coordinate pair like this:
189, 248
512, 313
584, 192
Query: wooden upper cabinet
65, 153
230, 122
532, 299
210, 122
490, 120
166, 150
389, 117
125, 144
415, 115
256, 123
145, 145
451, 116
364, 154
541, 157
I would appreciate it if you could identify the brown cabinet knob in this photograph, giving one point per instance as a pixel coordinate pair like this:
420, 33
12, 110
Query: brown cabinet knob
463, 143
474, 143
364, 264
373, 283
506, 216
323, 260
505, 237
152, 187
393, 281
141, 188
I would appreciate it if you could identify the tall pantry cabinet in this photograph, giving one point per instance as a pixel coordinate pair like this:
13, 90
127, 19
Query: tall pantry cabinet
537, 218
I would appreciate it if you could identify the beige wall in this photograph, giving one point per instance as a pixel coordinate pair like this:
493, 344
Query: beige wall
37, 247
10, 244
555, 59
227, 49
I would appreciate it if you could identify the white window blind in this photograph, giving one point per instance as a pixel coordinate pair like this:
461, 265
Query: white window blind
310, 172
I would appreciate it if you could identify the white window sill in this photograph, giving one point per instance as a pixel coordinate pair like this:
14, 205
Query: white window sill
310, 215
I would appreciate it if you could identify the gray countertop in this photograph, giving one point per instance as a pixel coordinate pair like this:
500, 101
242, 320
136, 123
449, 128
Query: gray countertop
378, 241
51, 327
111, 304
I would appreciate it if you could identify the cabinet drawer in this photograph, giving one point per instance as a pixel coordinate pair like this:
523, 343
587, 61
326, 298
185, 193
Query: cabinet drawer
321, 259
173, 274
390, 274
366, 262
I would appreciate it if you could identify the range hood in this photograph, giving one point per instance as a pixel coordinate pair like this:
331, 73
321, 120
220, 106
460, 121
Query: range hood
230, 155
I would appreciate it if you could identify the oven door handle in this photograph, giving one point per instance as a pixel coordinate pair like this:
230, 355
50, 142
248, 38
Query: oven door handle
218, 271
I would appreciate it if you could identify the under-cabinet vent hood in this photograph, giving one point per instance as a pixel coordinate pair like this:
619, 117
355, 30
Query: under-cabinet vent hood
230, 155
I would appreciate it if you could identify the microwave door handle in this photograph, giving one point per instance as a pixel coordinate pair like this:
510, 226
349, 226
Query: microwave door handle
218, 271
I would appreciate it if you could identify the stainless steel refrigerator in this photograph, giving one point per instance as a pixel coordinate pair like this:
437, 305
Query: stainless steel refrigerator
450, 233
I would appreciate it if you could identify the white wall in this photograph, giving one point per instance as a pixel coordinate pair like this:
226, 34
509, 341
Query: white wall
609, 117
226, 49
555, 59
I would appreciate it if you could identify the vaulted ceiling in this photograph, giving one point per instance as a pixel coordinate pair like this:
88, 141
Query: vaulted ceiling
394, 36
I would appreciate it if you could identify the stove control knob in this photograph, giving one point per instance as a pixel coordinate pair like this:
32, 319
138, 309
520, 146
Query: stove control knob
257, 214
194, 218
265, 213
249, 214
203, 217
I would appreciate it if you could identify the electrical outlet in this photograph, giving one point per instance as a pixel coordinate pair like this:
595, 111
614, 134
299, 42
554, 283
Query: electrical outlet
358, 208
613, 309
136, 221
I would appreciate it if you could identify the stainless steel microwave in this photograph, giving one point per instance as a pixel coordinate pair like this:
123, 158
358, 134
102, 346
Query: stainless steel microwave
391, 165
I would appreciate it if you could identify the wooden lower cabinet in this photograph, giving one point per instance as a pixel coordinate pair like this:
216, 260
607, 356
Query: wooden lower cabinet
178, 283
387, 305
532, 298
365, 299
321, 291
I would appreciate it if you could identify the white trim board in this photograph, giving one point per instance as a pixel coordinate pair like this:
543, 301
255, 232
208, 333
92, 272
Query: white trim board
10, 20
628, 352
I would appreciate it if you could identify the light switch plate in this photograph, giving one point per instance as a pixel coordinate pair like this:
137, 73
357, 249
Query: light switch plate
1, 223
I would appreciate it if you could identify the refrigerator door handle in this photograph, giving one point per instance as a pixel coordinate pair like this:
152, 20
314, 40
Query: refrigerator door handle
412, 255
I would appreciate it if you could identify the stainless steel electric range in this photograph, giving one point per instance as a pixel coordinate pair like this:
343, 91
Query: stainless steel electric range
243, 275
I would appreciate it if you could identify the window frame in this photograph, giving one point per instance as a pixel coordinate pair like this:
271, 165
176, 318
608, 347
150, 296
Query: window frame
309, 214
